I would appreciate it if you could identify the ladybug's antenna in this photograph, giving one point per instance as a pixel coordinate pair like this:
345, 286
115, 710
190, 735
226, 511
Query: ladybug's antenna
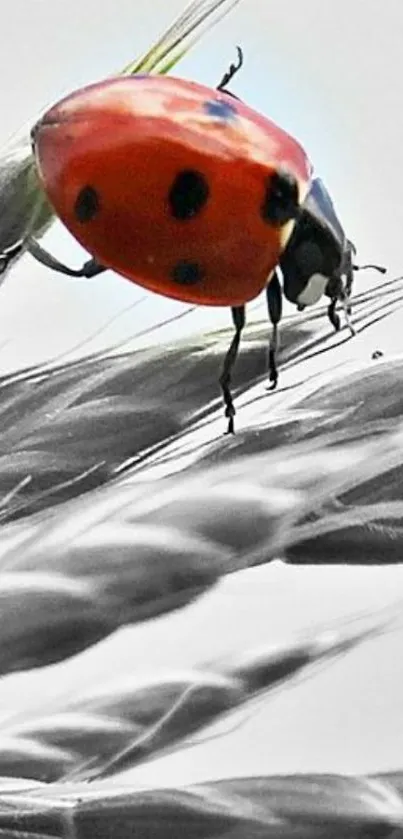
379, 268
233, 70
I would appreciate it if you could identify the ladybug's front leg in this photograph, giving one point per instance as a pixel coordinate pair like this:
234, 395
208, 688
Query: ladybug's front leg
349, 286
345, 301
347, 295
344, 292
238, 317
335, 290
339, 293
274, 297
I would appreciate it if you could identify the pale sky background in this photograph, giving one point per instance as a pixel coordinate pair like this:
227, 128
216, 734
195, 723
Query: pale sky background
329, 73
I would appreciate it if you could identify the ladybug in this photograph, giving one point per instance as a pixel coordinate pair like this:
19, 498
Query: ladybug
180, 188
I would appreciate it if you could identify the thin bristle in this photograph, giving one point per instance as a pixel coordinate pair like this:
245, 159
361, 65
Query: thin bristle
198, 18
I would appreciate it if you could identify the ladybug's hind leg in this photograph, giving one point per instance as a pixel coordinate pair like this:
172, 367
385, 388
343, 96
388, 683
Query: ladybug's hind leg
274, 296
231, 72
9, 255
238, 317
90, 268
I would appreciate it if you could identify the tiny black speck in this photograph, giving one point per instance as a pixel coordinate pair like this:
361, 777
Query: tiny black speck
187, 273
87, 204
188, 194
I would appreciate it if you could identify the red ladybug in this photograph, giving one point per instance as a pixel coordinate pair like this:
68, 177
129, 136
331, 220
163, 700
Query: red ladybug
175, 186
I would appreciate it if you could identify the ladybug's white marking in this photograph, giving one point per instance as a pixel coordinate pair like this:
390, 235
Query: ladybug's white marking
313, 290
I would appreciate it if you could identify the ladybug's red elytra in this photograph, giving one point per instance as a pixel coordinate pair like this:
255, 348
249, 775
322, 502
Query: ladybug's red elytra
173, 185
180, 188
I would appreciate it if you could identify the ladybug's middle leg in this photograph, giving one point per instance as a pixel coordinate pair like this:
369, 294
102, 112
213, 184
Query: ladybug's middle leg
238, 317
345, 301
274, 296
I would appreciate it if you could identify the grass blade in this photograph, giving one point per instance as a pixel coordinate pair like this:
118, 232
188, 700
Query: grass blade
113, 728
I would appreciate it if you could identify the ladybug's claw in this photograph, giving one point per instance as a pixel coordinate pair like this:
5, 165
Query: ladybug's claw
231, 428
230, 414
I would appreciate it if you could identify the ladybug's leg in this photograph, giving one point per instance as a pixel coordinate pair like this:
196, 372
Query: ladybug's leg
344, 292
231, 72
274, 297
238, 317
332, 314
8, 255
349, 274
348, 288
339, 293
345, 302
89, 269
335, 290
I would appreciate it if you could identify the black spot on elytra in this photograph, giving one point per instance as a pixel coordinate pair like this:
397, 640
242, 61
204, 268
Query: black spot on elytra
281, 200
188, 194
187, 273
220, 109
87, 204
